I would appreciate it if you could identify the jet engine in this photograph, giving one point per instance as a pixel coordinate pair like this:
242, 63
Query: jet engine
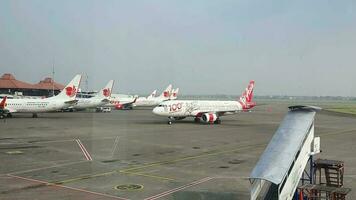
209, 117
118, 106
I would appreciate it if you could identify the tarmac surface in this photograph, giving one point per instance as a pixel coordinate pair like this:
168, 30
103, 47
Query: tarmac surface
136, 155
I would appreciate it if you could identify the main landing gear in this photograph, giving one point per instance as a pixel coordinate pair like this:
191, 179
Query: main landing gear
9, 115
34, 115
217, 121
196, 119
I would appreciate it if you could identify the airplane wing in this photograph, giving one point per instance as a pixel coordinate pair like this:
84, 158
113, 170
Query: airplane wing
123, 105
105, 101
71, 102
128, 103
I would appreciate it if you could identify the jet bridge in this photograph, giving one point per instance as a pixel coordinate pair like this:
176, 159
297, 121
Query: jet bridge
277, 173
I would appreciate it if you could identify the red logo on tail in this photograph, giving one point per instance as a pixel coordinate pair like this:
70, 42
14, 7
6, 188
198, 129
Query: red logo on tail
71, 91
166, 94
106, 92
3, 103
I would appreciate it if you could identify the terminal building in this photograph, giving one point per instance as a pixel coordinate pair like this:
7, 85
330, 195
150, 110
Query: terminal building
9, 85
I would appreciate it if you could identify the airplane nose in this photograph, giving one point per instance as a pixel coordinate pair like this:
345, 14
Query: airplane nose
155, 110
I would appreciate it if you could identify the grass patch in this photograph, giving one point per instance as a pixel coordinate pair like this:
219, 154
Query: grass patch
345, 108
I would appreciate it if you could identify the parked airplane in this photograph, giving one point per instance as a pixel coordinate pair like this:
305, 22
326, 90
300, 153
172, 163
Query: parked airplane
120, 102
208, 111
63, 100
100, 99
154, 101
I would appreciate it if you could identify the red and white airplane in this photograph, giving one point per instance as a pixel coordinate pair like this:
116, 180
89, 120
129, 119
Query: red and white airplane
63, 100
208, 111
121, 102
100, 99
167, 94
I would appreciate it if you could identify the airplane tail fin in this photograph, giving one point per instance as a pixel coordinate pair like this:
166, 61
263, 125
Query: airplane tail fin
3, 103
153, 94
106, 91
174, 93
70, 91
166, 93
247, 96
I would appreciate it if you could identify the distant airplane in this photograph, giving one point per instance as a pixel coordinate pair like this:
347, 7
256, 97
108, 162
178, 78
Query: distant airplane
153, 100
63, 100
121, 102
208, 111
100, 99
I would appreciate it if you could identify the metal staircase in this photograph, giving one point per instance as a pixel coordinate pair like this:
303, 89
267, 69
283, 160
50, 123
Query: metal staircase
334, 172
281, 166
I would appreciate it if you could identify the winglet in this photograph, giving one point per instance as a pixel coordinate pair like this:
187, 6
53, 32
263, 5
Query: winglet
3, 103
134, 101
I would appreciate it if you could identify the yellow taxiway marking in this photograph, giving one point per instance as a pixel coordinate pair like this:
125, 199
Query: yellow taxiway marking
88, 176
339, 133
134, 170
148, 175
204, 154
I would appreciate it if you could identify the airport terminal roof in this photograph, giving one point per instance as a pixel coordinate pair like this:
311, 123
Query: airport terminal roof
285, 144
48, 84
9, 81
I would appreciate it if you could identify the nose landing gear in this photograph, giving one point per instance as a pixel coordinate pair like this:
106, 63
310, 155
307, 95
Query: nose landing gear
170, 120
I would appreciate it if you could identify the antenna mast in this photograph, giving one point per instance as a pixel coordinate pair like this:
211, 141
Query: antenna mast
86, 83
53, 77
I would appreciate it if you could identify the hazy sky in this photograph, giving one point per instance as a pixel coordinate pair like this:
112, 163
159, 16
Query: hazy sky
295, 47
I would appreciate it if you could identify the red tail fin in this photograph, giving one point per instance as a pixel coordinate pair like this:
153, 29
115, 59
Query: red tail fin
248, 93
3, 103
247, 96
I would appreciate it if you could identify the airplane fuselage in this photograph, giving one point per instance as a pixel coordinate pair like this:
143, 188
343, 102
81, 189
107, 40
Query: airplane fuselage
194, 108
34, 105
